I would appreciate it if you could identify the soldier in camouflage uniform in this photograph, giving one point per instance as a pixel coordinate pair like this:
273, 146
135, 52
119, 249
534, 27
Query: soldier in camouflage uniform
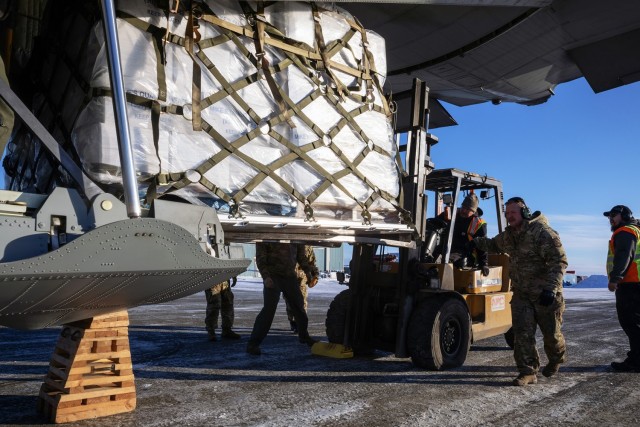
220, 301
537, 262
303, 282
277, 263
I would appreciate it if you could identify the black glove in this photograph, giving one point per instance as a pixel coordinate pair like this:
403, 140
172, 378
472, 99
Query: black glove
234, 280
546, 298
485, 270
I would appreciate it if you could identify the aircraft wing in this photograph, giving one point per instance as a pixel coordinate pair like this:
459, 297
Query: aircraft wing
473, 51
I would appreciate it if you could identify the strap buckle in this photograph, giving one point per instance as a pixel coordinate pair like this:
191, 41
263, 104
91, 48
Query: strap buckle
308, 211
366, 217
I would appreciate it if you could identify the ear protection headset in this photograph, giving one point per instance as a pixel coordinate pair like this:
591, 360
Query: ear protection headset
626, 215
524, 209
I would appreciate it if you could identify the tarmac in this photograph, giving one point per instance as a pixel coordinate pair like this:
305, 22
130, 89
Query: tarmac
183, 379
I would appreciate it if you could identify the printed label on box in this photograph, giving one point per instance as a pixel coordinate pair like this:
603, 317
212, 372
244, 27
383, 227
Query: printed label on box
498, 303
487, 282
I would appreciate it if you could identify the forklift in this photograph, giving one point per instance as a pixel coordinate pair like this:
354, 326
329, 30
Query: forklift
414, 302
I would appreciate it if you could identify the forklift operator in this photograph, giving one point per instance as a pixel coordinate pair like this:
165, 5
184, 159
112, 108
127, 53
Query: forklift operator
467, 226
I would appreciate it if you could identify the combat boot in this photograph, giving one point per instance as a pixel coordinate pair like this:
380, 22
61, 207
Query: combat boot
625, 366
524, 379
307, 340
229, 334
253, 349
551, 369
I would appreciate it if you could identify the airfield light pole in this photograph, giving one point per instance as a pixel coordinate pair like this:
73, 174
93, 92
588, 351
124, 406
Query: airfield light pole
129, 181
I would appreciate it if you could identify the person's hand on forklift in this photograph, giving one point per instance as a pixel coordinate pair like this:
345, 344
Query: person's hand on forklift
485, 270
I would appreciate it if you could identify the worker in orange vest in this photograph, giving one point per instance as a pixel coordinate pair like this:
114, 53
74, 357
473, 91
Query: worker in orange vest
623, 270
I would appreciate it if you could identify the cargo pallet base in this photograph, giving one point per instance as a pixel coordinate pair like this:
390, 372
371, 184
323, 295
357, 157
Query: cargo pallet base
256, 228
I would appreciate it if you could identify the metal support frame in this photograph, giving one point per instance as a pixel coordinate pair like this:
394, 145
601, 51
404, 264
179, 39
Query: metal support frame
499, 199
412, 197
129, 180
454, 214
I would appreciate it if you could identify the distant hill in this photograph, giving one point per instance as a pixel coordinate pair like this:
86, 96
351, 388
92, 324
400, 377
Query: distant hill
595, 281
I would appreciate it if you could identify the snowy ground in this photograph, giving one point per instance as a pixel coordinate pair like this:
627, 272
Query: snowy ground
183, 379
589, 293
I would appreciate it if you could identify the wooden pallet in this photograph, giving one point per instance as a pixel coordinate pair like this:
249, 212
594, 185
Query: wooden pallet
90, 372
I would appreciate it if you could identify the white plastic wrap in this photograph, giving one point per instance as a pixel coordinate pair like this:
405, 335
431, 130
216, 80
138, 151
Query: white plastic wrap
138, 57
101, 160
181, 149
295, 19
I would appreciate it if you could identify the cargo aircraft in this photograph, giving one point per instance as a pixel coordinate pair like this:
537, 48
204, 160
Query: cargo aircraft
72, 255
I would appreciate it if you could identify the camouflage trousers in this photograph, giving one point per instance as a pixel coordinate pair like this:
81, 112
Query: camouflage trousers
219, 303
290, 287
527, 315
304, 290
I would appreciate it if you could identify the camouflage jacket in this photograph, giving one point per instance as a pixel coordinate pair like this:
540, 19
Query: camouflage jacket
284, 259
219, 287
537, 260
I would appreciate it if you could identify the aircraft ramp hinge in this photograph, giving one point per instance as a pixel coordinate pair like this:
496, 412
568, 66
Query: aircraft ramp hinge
57, 232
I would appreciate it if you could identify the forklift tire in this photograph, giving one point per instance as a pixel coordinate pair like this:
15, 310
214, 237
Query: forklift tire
439, 333
337, 316
337, 320
509, 337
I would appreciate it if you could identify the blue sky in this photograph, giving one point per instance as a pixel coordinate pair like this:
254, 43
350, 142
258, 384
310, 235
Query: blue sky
572, 158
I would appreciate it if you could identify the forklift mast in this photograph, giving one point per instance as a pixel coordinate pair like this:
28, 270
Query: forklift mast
418, 165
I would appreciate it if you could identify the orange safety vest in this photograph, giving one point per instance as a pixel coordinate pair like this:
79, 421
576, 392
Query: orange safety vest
474, 226
633, 271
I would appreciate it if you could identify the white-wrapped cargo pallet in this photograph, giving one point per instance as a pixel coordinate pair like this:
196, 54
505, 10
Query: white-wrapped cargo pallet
254, 130
269, 109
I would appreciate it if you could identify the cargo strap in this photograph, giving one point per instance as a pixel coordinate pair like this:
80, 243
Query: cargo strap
296, 48
157, 36
192, 37
342, 90
258, 23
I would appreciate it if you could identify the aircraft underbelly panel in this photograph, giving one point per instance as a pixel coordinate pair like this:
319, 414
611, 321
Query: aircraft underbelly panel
114, 267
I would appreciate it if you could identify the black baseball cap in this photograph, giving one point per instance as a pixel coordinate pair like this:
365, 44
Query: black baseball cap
618, 209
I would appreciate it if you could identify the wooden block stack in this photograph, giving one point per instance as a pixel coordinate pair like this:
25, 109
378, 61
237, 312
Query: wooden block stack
90, 372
